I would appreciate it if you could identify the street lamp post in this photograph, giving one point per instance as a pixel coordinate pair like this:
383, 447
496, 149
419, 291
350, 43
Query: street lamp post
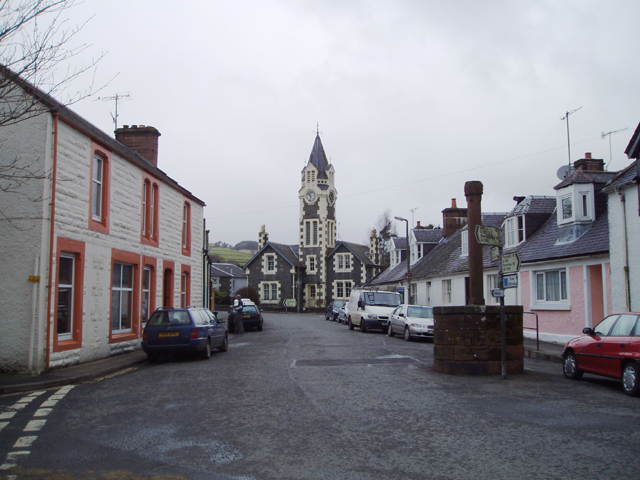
407, 296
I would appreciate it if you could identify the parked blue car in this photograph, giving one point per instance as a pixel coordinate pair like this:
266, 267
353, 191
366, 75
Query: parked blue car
193, 330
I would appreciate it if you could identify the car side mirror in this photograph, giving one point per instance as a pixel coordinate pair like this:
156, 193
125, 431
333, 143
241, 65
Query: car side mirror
402, 314
215, 312
360, 304
588, 331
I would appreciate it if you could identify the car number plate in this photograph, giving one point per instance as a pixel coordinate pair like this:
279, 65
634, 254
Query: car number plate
246, 316
169, 334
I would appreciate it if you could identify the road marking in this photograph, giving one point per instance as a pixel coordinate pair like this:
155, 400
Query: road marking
12, 458
293, 364
66, 389
42, 412
3, 424
49, 403
25, 442
5, 415
34, 425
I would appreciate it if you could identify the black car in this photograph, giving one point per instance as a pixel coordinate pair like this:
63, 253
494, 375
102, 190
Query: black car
194, 330
251, 317
333, 309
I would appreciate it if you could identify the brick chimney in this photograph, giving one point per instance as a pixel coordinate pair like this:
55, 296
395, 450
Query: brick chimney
453, 218
588, 164
142, 140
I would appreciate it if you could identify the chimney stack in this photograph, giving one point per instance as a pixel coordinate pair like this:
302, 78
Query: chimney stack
453, 218
142, 140
588, 164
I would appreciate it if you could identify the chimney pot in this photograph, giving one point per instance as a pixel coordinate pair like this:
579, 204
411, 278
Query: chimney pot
418, 223
453, 203
587, 155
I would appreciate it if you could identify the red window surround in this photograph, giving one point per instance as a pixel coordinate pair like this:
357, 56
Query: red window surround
150, 210
185, 276
133, 259
102, 224
152, 263
75, 248
168, 268
186, 229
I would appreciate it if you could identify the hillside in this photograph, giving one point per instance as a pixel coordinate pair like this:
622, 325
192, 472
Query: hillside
229, 255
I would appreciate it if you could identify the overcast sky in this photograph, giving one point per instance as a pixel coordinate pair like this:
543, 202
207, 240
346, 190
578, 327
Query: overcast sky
412, 98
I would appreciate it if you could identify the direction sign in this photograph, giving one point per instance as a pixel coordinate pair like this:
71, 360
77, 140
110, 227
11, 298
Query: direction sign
495, 254
510, 263
290, 302
510, 281
488, 235
497, 293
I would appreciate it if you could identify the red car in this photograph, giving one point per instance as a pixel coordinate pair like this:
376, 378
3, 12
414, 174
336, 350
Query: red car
611, 348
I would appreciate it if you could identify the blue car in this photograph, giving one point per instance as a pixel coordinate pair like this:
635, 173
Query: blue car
193, 330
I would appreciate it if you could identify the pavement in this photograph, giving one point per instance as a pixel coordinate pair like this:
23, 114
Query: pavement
16, 383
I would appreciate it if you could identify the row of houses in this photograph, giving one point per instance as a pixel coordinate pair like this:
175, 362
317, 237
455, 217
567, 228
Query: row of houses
579, 252
94, 236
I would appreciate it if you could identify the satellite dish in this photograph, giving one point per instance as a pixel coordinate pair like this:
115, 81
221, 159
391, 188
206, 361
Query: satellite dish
565, 171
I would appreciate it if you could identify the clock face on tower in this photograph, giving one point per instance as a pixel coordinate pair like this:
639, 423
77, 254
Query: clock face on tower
311, 196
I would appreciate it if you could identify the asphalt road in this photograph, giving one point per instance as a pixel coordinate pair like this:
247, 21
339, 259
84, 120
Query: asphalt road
309, 399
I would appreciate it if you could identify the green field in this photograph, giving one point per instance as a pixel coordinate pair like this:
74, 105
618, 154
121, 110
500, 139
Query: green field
227, 255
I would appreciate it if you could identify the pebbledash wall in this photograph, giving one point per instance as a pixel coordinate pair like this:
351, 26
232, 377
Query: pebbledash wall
61, 154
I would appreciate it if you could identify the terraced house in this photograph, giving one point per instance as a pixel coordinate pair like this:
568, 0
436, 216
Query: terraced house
319, 268
92, 241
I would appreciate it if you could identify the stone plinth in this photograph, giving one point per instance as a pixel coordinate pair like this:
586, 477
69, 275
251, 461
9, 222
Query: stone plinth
467, 340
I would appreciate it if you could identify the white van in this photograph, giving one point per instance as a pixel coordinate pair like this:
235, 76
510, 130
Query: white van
371, 309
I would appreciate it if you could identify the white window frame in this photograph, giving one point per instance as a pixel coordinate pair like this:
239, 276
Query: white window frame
493, 281
122, 292
63, 286
343, 262
464, 243
98, 187
541, 278
514, 231
447, 297
146, 293
269, 292
270, 261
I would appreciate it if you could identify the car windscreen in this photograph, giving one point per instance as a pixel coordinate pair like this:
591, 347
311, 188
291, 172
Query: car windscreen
382, 299
179, 317
420, 312
249, 309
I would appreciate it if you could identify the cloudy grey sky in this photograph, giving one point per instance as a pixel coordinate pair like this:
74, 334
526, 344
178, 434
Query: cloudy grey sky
413, 98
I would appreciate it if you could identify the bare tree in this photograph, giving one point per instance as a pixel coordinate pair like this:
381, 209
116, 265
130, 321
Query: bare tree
36, 44
386, 229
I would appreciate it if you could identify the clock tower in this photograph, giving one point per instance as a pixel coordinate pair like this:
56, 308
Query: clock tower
318, 233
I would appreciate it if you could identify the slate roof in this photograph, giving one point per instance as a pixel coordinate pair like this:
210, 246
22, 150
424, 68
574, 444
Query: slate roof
400, 243
91, 130
580, 176
360, 251
226, 270
627, 176
428, 235
534, 204
318, 158
289, 252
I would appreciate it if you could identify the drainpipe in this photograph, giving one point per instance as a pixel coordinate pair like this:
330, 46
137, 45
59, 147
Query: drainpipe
34, 305
627, 289
50, 280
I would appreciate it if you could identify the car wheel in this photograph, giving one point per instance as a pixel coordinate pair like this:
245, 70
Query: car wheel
631, 379
407, 334
570, 367
390, 330
225, 344
350, 324
206, 353
363, 327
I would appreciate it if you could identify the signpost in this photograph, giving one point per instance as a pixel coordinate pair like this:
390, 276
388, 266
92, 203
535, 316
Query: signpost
510, 281
488, 235
510, 263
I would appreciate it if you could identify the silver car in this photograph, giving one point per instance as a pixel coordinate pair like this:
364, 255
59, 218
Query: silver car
412, 321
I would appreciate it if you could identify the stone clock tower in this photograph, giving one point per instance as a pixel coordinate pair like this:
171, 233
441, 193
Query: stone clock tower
317, 223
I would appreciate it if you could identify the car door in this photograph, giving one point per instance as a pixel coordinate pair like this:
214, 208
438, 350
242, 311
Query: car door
218, 329
615, 346
633, 349
396, 318
589, 352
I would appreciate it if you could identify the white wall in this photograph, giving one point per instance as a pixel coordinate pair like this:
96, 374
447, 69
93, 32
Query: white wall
617, 245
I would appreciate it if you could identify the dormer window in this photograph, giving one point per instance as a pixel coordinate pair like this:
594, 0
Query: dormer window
464, 239
567, 207
514, 231
576, 204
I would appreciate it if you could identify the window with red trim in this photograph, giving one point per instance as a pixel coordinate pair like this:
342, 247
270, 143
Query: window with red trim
150, 209
69, 294
186, 229
125, 295
148, 287
100, 190
185, 286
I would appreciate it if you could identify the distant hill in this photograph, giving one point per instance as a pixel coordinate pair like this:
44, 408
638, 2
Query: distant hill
230, 255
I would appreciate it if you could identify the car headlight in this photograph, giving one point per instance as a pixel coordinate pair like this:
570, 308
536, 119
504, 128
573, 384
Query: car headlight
372, 317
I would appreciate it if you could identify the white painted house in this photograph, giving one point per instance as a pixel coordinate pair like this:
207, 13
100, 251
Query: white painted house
624, 232
93, 240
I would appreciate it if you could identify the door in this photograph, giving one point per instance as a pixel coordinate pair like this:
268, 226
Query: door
167, 288
615, 346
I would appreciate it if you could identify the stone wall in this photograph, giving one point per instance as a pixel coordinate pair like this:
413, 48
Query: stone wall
467, 340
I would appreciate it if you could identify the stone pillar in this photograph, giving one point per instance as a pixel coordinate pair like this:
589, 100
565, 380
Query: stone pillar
467, 340
473, 192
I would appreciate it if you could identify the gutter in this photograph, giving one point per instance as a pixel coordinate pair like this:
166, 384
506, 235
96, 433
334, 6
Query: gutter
627, 289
